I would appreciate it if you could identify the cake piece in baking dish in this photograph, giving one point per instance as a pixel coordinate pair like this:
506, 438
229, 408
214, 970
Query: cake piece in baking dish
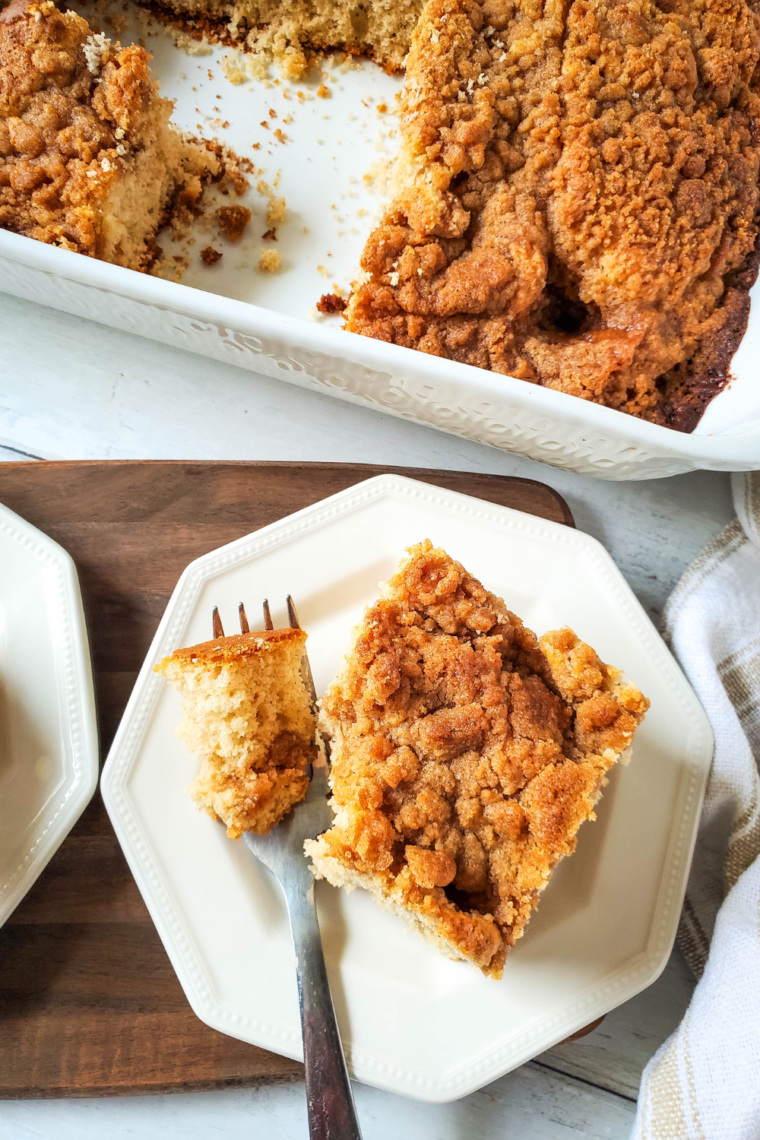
576, 198
248, 718
88, 157
466, 753
293, 31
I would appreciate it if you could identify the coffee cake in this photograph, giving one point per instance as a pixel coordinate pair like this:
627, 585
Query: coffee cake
248, 717
88, 158
466, 753
576, 197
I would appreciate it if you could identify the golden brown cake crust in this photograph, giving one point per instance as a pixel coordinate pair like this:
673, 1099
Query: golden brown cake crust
226, 649
465, 755
578, 191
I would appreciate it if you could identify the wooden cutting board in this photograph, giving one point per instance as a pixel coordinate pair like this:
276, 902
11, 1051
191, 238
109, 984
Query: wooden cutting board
89, 1003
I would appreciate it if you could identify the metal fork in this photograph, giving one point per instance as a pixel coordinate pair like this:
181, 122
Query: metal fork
332, 1114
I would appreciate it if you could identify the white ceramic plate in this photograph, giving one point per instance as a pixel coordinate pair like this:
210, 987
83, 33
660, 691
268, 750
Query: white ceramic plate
258, 321
48, 736
412, 1020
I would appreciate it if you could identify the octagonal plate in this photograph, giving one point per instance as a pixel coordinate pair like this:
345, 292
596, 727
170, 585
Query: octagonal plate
413, 1021
48, 736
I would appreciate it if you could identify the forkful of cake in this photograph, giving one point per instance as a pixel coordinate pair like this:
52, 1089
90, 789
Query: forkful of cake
249, 706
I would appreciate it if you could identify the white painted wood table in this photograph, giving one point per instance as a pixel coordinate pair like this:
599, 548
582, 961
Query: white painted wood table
70, 389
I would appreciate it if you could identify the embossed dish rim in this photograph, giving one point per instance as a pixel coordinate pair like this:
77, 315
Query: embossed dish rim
397, 380
237, 975
54, 668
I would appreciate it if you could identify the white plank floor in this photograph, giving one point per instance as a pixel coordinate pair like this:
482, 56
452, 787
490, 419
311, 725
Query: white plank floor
74, 390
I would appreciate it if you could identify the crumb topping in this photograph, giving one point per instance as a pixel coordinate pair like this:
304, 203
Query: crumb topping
578, 189
331, 303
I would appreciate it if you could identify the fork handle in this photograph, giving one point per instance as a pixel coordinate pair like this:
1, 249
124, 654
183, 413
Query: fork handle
332, 1114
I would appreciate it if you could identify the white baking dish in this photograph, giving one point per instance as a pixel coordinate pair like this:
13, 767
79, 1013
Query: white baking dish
259, 321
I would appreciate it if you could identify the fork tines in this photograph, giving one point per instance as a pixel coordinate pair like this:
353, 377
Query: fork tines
268, 624
217, 623
292, 613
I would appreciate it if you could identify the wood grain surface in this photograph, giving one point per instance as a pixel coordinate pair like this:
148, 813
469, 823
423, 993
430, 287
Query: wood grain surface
89, 1003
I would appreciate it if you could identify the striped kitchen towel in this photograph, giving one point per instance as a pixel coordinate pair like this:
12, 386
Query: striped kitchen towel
704, 1083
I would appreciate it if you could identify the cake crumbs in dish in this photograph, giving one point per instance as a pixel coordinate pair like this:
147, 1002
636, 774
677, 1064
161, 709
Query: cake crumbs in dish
331, 303
269, 260
276, 206
233, 221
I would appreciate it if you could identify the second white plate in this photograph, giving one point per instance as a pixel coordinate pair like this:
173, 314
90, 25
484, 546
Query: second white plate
48, 735
412, 1021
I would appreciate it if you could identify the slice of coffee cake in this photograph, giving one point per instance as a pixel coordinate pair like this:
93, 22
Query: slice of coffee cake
466, 753
248, 717
88, 157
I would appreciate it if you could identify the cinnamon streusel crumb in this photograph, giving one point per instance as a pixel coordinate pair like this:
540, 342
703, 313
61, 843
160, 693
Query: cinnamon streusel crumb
233, 221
